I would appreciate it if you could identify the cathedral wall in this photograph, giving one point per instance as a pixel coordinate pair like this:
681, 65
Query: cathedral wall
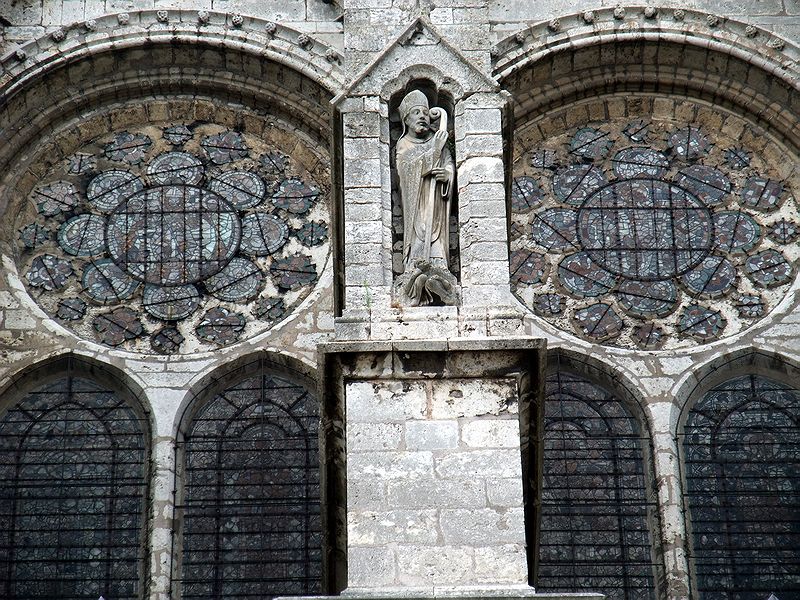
224, 67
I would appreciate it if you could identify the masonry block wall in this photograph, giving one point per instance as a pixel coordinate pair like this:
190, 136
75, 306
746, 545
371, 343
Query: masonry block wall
433, 463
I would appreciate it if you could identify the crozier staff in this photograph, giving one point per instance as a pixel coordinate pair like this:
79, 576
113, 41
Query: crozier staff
425, 169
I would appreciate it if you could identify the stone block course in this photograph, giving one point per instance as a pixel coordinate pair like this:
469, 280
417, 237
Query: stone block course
367, 494
429, 565
431, 435
500, 563
491, 433
365, 437
482, 527
480, 145
479, 464
472, 398
504, 492
391, 465
436, 493
377, 402
371, 566
401, 526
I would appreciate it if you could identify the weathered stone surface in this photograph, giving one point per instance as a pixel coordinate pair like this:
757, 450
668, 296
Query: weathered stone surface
431, 565
390, 465
473, 398
365, 437
483, 527
480, 463
431, 435
436, 493
504, 492
401, 526
501, 563
371, 567
379, 401
491, 433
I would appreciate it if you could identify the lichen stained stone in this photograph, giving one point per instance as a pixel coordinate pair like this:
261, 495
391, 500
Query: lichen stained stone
641, 217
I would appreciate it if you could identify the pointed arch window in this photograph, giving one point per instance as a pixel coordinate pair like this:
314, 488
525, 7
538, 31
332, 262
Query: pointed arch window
251, 509
594, 533
741, 444
73, 493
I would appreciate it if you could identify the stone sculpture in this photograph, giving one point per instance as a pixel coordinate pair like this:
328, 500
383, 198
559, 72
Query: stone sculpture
425, 170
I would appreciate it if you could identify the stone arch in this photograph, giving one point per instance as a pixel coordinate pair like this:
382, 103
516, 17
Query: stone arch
428, 73
729, 64
269, 402
207, 384
598, 71
600, 372
81, 424
580, 399
737, 438
53, 366
260, 65
257, 78
768, 363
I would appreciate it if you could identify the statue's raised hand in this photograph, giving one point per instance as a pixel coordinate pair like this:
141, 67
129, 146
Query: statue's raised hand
439, 139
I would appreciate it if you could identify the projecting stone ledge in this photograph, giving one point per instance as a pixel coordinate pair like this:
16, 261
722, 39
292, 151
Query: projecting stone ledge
453, 593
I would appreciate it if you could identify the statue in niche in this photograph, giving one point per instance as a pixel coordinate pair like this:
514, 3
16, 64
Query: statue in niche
425, 170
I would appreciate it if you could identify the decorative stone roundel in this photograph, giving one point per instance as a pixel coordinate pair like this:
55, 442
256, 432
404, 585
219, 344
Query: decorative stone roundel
179, 236
648, 230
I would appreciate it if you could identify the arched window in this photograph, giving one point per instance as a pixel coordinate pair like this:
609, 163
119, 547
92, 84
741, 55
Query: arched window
742, 458
594, 533
251, 508
73, 490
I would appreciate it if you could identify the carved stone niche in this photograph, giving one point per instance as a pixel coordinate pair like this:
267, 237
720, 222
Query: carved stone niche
425, 249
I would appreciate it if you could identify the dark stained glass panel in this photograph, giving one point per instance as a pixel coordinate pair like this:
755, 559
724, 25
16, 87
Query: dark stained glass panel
741, 446
594, 526
73, 490
251, 514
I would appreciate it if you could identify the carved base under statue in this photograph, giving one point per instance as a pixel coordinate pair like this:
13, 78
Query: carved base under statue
426, 284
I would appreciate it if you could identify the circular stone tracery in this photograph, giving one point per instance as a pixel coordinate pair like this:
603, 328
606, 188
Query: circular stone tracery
154, 247
650, 230
645, 229
173, 235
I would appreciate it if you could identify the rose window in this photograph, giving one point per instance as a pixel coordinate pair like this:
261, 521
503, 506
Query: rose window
650, 232
176, 238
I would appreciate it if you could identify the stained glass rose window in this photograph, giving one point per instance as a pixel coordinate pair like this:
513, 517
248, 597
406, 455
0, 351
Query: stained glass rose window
653, 231
175, 222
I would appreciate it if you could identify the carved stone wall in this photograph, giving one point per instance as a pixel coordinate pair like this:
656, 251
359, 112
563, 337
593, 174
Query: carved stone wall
626, 180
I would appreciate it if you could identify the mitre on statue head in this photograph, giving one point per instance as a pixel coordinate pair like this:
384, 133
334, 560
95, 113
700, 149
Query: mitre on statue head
412, 99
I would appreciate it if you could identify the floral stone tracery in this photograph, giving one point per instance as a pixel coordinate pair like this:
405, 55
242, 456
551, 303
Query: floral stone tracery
652, 231
144, 237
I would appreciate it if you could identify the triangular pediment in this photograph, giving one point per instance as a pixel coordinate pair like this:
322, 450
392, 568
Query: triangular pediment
419, 45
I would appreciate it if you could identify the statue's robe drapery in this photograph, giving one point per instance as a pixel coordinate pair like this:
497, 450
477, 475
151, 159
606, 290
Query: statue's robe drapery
414, 163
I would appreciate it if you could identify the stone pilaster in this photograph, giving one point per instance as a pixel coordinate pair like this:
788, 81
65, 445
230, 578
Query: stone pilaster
437, 438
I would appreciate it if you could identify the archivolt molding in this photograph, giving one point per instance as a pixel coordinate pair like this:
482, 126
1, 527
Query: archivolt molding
602, 373
17, 384
754, 45
734, 363
266, 39
209, 383
681, 52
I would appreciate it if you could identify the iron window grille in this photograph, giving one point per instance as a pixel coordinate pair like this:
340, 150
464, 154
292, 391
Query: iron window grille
741, 445
251, 509
73, 494
595, 512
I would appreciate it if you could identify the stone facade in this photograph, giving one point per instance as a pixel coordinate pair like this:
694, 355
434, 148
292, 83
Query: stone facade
429, 414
